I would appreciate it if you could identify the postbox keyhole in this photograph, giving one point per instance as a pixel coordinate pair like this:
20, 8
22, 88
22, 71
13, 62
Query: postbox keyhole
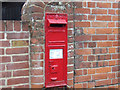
53, 68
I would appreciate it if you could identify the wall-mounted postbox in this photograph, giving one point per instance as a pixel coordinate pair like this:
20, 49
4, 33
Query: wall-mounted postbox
55, 50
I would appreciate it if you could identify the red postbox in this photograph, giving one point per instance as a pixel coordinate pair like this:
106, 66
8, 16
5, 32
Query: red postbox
55, 50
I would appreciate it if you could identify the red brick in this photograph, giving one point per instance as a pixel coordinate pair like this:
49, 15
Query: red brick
104, 5
103, 50
115, 31
1, 35
115, 43
115, 68
112, 50
21, 73
99, 24
2, 67
111, 75
15, 66
115, 81
85, 44
99, 76
70, 53
80, 17
78, 4
91, 30
20, 58
103, 70
85, 65
83, 38
99, 37
117, 24
103, 18
85, 85
84, 4
118, 37
99, 11
37, 56
1, 51
70, 24
117, 11
17, 26
70, 83
92, 44
96, 51
80, 85
5, 59
82, 10
69, 75
40, 40
37, 72
104, 44
104, 31
91, 58
37, 80
91, 17
82, 24
78, 72
2, 26
91, 71
111, 11
83, 51
37, 86
17, 35
5, 74
70, 68
111, 37
9, 26
36, 48
15, 81
115, 18
79, 45
115, 5
4, 44
83, 78
37, 64
84, 71
91, 4
115, 56
25, 26
103, 82
2, 83
16, 50
91, 84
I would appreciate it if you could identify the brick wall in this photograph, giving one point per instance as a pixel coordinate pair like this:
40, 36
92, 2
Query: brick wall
96, 44
14, 54
93, 45
37, 44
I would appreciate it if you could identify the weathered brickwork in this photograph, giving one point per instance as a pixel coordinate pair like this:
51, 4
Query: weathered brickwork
14, 54
96, 44
93, 45
37, 11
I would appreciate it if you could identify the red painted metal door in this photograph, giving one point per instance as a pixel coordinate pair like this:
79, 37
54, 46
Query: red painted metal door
55, 50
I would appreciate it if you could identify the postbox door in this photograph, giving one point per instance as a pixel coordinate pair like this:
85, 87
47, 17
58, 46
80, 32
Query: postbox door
56, 66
